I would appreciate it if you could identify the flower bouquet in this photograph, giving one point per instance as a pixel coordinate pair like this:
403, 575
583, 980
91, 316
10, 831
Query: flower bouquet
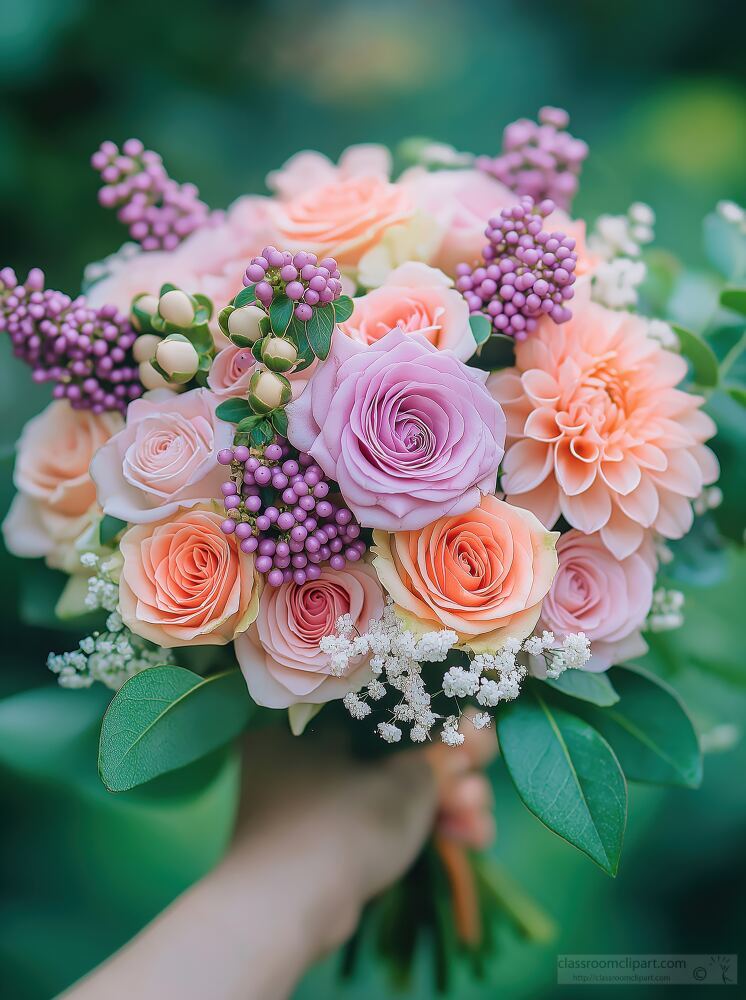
393, 448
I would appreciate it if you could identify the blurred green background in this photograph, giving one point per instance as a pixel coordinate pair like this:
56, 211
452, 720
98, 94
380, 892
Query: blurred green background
227, 91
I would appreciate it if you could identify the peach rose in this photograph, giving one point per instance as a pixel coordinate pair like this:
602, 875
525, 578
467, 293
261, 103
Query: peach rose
342, 211
418, 299
482, 574
56, 498
163, 459
184, 582
280, 656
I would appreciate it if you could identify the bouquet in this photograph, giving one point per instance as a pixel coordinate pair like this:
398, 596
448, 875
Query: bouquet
393, 448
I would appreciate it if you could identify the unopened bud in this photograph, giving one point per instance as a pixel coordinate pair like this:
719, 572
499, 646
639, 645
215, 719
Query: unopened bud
244, 322
268, 390
144, 347
150, 378
177, 356
176, 307
145, 303
279, 353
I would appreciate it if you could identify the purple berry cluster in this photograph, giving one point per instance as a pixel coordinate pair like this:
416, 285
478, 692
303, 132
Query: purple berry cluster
159, 211
86, 351
541, 159
526, 273
301, 528
305, 280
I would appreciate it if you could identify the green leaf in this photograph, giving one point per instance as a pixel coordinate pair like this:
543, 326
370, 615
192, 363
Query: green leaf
481, 327
567, 775
702, 357
245, 297
261, 434
166, 717
735, 299
249, 423
498, 351
343, 307
737, 393
319, 330
109, 528
586, 686
233, 410
649, 730
280, 314
306, 357
279, 420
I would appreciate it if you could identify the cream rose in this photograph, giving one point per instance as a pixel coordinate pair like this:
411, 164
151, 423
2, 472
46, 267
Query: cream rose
482, 574
417, 299
56, 497
164, 458
184, 582
280, 655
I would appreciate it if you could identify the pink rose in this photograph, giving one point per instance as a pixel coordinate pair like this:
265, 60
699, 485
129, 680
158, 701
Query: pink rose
164, 458
417, 299
409, 432
280, 656
212, 260
184, 582
341, 211
461, 202
233, 367
605, 597
56, 495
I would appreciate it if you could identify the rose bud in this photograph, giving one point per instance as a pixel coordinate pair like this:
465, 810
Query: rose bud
145, 303
144, 347
267, 391
176, 307
279, 353
152, 379
244, 322
177, 356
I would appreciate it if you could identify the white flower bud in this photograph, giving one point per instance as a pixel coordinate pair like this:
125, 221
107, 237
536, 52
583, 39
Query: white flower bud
176, 307
150, 378
267, 390
145, 303
144, 347
279, 353
244, 322
177, 356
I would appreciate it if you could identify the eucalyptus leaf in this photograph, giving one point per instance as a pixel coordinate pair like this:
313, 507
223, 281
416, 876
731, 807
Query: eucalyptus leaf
481, 327
245, 297
280, 314
165, 717
567, 775
586, 686
233, 410
649, 730
702, 357
319, 330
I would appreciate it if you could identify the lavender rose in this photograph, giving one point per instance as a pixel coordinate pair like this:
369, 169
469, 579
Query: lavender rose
409, 432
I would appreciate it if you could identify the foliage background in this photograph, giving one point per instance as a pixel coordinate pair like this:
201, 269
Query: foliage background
226, 91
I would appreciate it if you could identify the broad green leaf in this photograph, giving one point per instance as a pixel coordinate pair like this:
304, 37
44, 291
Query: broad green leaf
735, 299
343, 307
701, 355
247, 424
649, 730
233, 410
109, 528
498, 351
166, 717
586, 686
280, 314
245, 297
737, 393
319, 330
306, 357
567, 775
481, 327
279, 420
